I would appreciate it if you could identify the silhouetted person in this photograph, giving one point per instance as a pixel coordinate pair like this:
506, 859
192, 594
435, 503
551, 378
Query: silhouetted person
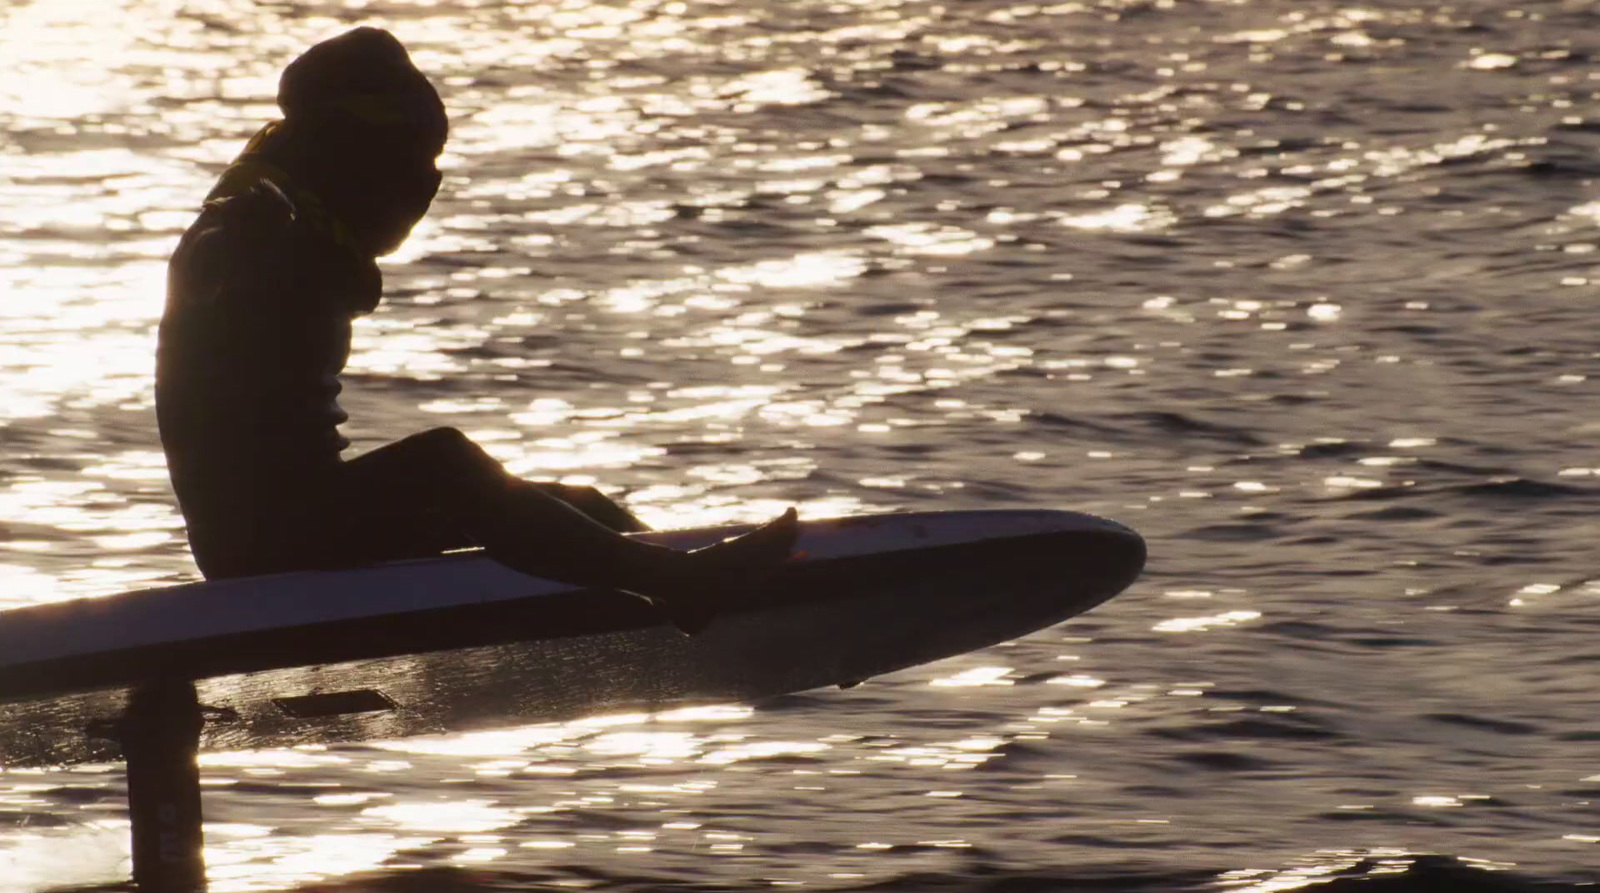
261, 293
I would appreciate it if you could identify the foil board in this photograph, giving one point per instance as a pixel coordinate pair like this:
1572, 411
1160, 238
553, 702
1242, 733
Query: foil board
460, 642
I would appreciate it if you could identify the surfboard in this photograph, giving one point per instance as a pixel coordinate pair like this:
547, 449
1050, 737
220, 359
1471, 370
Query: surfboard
460, 642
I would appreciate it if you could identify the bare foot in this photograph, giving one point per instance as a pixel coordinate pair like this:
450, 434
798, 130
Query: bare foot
717, 573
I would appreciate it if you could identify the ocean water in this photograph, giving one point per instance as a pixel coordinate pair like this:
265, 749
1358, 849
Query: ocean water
1303, 291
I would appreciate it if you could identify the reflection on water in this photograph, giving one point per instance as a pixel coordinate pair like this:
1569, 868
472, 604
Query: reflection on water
1297, 289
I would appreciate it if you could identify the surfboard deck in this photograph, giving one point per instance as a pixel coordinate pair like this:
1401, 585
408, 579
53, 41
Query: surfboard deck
460, 642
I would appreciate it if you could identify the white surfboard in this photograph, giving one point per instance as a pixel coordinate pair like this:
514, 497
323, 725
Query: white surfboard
461, 642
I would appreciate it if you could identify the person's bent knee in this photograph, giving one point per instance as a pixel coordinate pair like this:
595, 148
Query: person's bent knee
448, 449
443, 440
450, 445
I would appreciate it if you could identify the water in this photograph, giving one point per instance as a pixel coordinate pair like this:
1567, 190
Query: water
1302, 291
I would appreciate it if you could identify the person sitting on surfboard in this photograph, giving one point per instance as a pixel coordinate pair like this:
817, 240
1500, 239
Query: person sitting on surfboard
261, 293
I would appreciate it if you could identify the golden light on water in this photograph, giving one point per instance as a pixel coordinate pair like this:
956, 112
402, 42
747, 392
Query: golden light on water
262, 861
134, 202
1126, 218
888, 256
977, 676
454, 816
1203, 624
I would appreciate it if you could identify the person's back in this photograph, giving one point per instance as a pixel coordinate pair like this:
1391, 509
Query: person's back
255, 334
261, 294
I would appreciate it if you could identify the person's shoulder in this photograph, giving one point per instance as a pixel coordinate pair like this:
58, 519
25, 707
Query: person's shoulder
258, 218
257, 248
237, 244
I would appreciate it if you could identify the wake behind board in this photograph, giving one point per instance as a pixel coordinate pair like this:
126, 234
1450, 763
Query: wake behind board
461, 642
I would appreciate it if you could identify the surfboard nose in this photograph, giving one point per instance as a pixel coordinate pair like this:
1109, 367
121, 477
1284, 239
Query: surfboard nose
1116, 556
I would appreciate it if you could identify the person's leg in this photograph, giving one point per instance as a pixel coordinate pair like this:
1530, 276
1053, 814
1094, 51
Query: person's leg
524, 526
594, 504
